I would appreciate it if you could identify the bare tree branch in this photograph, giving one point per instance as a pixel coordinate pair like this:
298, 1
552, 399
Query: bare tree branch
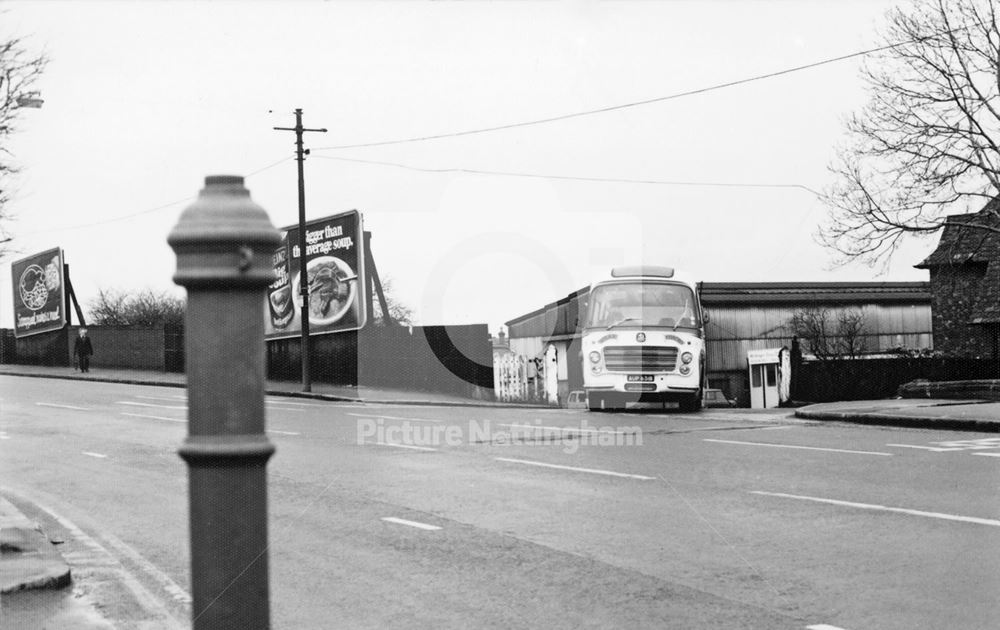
927, 144
19, 72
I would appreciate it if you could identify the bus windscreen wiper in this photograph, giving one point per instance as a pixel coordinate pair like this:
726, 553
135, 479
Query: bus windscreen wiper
620, 322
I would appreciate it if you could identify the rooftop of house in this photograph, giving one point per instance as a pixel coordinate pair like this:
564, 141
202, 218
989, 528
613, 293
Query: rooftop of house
973, 239
968, 238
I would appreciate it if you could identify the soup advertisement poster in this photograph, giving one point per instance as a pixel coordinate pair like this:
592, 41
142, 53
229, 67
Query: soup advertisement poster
334, 263
39, 293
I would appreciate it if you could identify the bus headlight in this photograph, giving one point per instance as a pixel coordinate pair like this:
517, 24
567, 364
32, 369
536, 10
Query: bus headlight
687, 357
685, 369
595, 357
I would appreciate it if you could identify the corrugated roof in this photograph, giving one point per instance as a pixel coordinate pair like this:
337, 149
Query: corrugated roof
720, 293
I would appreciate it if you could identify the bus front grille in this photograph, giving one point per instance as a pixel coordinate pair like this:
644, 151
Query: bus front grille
640, 358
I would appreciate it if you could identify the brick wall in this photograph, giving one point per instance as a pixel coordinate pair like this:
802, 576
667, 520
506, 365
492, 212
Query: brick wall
123, 347
953, 293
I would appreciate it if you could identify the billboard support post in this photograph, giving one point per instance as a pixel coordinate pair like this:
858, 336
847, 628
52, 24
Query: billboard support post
300, 154
71, 297
224, 244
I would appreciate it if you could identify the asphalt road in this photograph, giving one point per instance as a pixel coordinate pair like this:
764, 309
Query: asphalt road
500, 518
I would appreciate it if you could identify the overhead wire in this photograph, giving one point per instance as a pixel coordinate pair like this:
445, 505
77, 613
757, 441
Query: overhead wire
527, 123
621, 106
579, 178
147, 210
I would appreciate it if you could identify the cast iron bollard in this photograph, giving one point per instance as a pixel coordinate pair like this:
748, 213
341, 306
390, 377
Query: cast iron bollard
224, 243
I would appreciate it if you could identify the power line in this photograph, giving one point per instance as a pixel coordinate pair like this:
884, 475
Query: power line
148, 210
613, 180
611, 108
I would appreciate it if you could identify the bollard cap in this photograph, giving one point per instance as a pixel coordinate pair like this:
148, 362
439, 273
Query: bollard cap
224, 238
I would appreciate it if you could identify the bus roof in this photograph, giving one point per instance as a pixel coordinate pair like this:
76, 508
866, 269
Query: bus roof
649, 272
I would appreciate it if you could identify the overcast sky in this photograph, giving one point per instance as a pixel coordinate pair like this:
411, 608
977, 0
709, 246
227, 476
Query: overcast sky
143, 100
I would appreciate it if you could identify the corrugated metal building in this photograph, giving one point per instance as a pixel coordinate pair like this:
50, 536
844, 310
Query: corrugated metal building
745, 316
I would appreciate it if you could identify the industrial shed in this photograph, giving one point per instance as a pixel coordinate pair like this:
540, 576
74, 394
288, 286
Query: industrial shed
744, 316
755, 316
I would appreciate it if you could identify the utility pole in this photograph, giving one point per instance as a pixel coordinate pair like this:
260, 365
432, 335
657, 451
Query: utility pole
300, 154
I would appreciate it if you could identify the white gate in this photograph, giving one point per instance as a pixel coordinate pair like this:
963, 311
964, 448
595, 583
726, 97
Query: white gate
514, 379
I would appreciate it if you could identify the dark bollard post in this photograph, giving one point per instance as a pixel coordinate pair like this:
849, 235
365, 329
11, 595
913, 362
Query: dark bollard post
224, 243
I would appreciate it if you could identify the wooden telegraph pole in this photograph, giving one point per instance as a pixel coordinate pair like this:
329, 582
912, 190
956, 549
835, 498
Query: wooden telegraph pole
304, 277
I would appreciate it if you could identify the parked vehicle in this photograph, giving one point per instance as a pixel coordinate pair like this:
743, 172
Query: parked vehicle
577, 399
715, 398
644, 339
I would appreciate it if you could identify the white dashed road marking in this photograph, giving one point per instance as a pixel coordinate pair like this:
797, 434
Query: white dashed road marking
97, 455
594, 471
415, 448
983, 454
142, 415
807, 448
925, 448
403, 521
567, 429
884, 508
383, 417
139, 404
41, 404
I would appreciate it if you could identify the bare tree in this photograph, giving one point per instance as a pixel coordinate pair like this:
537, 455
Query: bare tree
827, 337
928, 142
400, 313
144, 308
19, 71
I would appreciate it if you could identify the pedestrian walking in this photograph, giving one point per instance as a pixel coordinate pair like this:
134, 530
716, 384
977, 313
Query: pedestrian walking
83, 349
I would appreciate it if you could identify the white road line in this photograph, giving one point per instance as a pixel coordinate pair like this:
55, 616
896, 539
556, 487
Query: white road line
149, 603
281, 401
823, 626
97, 455
935, 449
142, 415
785, 426
172, 398
415, 448
884, 508
184, 421
566, 429
62, 406
594, 471
4, 436
807, 448
983, 454
139, 404
403, 521
383, 417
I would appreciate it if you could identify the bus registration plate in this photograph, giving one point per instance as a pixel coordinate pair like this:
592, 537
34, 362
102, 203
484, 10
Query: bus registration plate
639, 378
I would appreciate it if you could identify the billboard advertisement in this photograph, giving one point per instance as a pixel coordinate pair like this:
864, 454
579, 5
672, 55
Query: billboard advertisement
39, 293
335, 268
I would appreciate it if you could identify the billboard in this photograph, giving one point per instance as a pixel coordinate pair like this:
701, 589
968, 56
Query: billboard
335, 267
39, 293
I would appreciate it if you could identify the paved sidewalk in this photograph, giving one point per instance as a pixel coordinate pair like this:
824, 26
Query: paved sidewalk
27, 558
322, 391
960, 415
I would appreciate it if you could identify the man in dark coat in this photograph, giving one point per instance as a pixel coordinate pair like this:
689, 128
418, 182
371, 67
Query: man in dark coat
82, 349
